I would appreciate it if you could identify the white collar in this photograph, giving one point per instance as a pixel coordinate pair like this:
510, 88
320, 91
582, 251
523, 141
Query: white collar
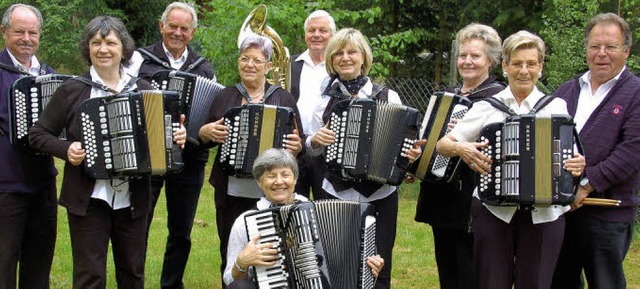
124, 78
182, 57
263, 203
35, 64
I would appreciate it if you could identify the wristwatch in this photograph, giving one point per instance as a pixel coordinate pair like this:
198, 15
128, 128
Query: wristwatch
584, 182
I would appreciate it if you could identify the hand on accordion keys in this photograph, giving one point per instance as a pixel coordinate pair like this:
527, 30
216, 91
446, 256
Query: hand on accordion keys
180, 136
323, 137
214, 131
470, 153
575, 165
75, 153
375, 263
293, 143
414, 153
256, 254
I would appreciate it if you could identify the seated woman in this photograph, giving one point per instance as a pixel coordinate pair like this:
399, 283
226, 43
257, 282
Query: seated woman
276, 172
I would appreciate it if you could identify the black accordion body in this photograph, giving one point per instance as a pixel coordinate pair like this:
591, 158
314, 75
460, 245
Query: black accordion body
196, 96
372, 139
253, 128
443, 106
29, 95
528, 151
130, 134
324, 244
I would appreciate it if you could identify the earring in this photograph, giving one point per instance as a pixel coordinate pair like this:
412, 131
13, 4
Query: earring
504, 73
540, 74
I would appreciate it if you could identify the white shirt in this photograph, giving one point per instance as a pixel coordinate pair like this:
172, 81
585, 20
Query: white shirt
481, 114
311, 78
238, 238
113, 191
35, 64
176, 63
350, 194
587, 102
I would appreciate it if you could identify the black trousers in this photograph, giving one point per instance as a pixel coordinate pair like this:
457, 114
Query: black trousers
596, 246
182, 193
90, 235
519, 254
312, 171
454, 257
226, 214
386, 222
27, 237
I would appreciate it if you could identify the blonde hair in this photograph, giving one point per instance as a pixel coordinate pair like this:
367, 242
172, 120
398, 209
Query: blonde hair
522, 39
351, 36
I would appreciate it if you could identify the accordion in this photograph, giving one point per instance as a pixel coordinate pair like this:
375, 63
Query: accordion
130, 134
324, 244
253, 128
196, 96
443, 106
372, 139
29, 95
527, 153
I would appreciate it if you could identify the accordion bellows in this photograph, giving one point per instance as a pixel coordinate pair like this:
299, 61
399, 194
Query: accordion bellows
196, 96
527, 153
130, 134
324, 244
372, 140
29, 95
432, 166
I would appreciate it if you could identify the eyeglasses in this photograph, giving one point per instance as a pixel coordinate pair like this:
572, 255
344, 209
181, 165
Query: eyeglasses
257, 61
528, 65
609, 48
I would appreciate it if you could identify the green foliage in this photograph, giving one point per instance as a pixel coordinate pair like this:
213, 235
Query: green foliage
563, 33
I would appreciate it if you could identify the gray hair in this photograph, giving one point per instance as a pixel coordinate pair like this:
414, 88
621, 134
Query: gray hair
6, 17
493, 47
522, 40
321, 14
274, 158
610, 18
256, 41
184, 6
104, 25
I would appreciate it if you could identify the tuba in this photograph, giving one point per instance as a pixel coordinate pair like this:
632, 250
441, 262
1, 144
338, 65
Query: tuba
255, 23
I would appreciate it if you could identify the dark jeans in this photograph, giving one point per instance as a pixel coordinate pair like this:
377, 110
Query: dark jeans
182, 193
90, 235
519, 253
27, 237
386, 222
454, 256
597, 246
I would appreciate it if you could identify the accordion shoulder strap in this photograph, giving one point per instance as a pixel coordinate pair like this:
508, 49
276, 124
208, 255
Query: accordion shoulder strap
148, 55
499, 105
377, 93
542, 103
195, 64
14, 69
104, 87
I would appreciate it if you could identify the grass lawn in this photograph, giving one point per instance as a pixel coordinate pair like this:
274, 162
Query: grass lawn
414, 260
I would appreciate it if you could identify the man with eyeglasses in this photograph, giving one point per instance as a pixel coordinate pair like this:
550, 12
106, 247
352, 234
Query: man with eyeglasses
177, 26
308, 71
605, 104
